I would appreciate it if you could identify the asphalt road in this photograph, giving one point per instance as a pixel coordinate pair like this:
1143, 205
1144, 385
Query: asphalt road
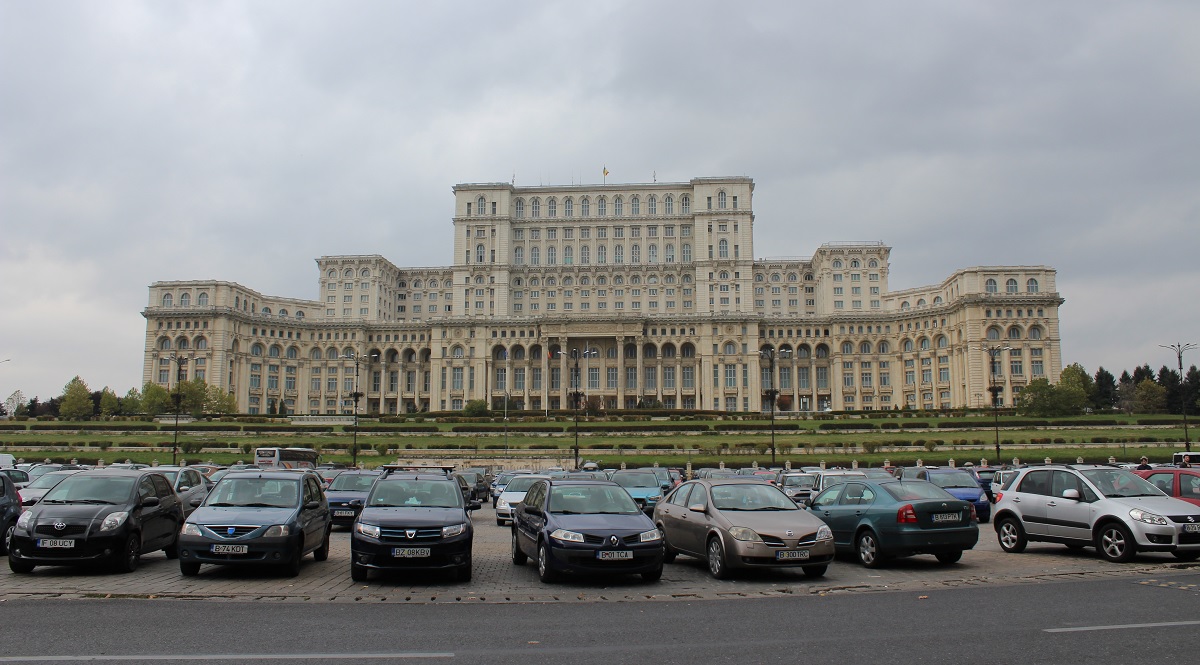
1086, 622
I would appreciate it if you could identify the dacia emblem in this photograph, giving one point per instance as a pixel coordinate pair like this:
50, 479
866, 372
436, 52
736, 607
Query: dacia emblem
411, 533
231, 531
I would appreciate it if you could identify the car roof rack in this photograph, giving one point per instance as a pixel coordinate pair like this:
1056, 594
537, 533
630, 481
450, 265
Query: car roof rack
443, 470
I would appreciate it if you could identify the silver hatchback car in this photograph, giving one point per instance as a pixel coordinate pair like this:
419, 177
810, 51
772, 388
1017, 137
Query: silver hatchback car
1106, 507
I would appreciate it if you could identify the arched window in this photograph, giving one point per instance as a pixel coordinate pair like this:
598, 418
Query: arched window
456, 352
1011, 285
652, 205
837, 263
585, 255
293, 353
202, 299
942, 342
905, 306
920, 302
568, 207
687, 253
585, 207
535, 257
721, 200
723, 249
924, 343
551, 208
884, 347
822, 351
937, 300
256, 349
601, 254
670, 253
1031, 285
185, 300
480, 253
182, 343
652, 253
568, 255
803, 351
669, 205
793, 277
480, 205
164, 344
993, 333
348, 272
730, 349
872, 264
636, 279
687, 350
864, 348
601, 280
1035, 332
618, 254
1014, 332
551, 256
520, 208
685, 204
724, 274
331, 353
618, 206
855, 264
990, 286
275, 351
519, 255
266, 310
635, 206
167, 300
332, 273
601, 207
315, 354
201, 343
535, 208
847, 347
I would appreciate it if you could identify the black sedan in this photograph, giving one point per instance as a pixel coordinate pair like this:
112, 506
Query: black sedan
258, 518
413, 522
587, 527
346, 494
878, 520
109, 516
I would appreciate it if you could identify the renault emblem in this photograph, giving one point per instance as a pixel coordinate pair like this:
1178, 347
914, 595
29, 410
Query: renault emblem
59, 526
411, 533
613, 540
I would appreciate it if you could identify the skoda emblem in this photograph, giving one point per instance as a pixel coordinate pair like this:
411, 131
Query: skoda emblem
59, 526
230, 530
613, 540
411, 533
789, 533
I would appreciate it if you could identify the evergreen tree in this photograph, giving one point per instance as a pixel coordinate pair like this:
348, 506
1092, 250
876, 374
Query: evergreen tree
1142, 374
1105, 396
1169, 379
76, 401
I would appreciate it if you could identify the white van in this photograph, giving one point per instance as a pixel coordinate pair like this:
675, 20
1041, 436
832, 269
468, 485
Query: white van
7, 461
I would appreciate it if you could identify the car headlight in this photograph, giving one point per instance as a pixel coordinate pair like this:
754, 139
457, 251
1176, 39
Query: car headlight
189, 529
656, 497
824, 532
1147, 517
276, 531
114, 520
567, 536
453, 530
501, 503
744, 534
650, 536
24, 520
369, 530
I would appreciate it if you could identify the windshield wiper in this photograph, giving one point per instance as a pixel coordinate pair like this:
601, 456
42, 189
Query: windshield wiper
93, 501
53, 501
775, 508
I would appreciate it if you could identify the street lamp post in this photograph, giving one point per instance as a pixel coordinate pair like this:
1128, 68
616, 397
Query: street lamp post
1179, 348
770, 355
578, 396
179, 361
995, 389
356, 396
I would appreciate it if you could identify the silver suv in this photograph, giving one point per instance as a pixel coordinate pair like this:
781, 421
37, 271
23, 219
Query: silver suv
1078, 505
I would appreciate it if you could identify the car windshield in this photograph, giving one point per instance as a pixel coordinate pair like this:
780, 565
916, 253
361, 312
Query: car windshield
956, 479
170, 474
83, 488
985, 475
635, 479
255, 492
750, 496
799, 481
830, 481
1120, 483
915, 490
520, 484
591, 500
353, 482
415, 494
42, 470
47, 481
503, 478
218, 474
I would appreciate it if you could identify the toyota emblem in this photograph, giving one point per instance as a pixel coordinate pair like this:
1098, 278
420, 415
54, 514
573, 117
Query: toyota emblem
59, 526
411, 533
613, 540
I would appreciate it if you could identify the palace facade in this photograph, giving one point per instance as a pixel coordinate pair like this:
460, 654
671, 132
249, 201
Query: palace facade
629, 294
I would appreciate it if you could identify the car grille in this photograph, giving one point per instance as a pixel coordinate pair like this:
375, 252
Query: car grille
1185, 519
1189, 538
600, 540
71, 530
238, 530
400, 533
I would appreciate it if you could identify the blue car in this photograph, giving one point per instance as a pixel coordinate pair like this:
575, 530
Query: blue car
347, 493
960, 483
643, 486
585, 527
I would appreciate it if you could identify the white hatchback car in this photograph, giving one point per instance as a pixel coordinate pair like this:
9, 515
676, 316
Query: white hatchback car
1109, 508
514, 492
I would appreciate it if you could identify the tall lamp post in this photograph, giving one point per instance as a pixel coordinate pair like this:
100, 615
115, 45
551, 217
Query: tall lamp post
578, 396
995, 389
1179, 348
179, 361
356, 396
770, 355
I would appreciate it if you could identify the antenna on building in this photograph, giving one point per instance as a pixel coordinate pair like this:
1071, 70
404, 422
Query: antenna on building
654, 176
514, 180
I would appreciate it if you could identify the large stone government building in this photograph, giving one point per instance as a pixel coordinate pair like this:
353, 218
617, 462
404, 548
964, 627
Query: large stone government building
635, 294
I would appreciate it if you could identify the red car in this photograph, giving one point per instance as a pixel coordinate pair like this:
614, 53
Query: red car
1179, 483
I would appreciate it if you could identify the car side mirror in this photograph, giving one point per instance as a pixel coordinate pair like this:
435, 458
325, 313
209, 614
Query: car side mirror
312, 505
474, 505
196, 501
1071, 494
150, 502
183, 488
357, 503
696, 507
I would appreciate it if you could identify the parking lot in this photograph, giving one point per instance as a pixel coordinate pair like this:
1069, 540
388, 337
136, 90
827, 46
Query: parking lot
497, 580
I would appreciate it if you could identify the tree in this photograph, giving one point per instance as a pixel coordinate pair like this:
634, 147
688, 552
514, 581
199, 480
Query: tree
1169, 379
1149, 397
219, 402
476, 408
131, 403
76, 401
109, 403
1037, 399
155, 400
1074, 390
1142, 373
1105, 396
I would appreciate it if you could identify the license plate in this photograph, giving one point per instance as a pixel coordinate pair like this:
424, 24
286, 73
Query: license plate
410, 552
55, 544
1187, 528
230, 549
787, 555
614, 555
946, 517
343, 513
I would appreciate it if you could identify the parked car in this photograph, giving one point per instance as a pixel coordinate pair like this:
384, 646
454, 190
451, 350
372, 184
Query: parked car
20, 478
664, 477
188, 483
413, 521
514, 492
1180, 483
742, 523
254, 518
39, 469
347, 493
880, 519
999, 479
328, 475
501, 481
959, 482
643, 486
104, 516
827, 479
479, 487
34, 491
1112, 509
797, 486
10, 510
585, 527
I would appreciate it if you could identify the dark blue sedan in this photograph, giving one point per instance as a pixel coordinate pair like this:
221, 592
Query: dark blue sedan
347, 493
585, 527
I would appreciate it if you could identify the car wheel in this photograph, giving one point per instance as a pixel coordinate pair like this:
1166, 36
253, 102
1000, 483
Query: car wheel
8, 532
1186, 556
717, 566
127, 557
19, 567
189, 569
949, 557
869, 554
499, 522
322, 552
1011, 535
815, 571
1115, 543
669, 553
292, 567
545, 572
518, 556
653, 575
172, 550
464, 573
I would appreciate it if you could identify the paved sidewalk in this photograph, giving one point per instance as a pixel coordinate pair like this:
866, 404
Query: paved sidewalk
497, 580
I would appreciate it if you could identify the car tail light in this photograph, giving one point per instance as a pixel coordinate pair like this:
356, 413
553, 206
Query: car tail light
906, 515
997, 496
974, 515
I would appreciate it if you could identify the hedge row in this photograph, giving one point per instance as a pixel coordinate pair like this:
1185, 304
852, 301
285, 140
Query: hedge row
741, 427
292, 429
916, 425
845, 425
468, 429
398, 429
637, 427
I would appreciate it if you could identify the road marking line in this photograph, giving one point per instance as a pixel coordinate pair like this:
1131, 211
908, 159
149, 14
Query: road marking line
1127, 626
222, 657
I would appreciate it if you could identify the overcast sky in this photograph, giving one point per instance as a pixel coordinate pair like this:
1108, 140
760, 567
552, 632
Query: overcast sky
241, 140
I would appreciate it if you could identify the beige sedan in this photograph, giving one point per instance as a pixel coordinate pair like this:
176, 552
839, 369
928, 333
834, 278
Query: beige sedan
742, 523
